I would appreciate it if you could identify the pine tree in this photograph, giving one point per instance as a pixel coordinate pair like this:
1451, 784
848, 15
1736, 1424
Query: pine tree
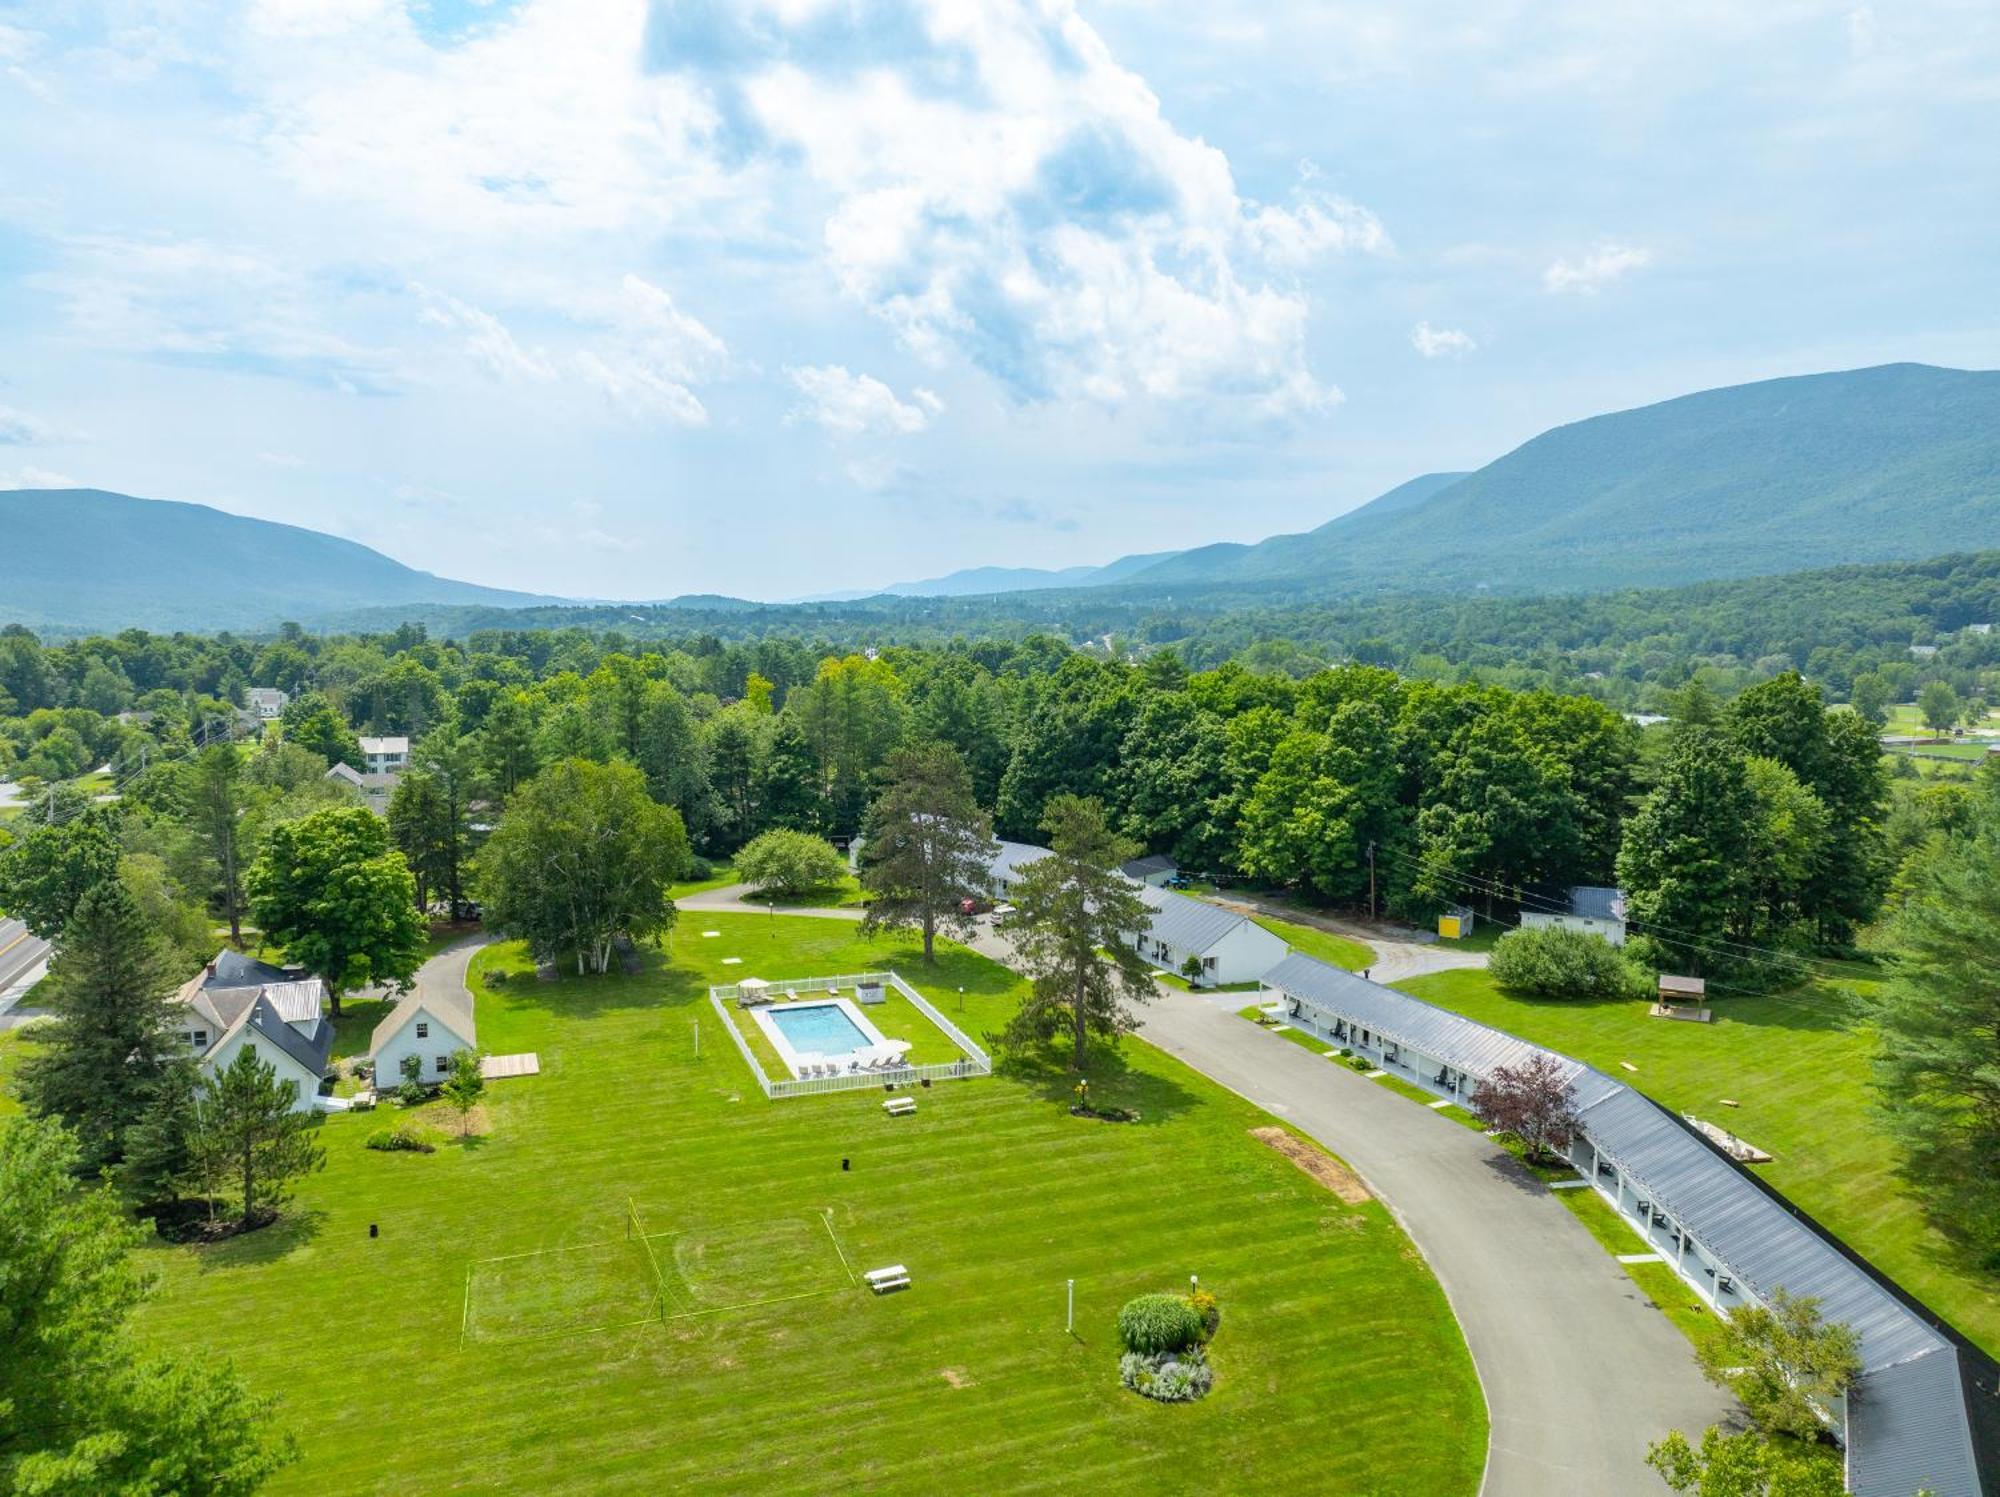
250, 1135
1074, 913
109, 987
1685, 862
926, 847
1937, 1066
217, 821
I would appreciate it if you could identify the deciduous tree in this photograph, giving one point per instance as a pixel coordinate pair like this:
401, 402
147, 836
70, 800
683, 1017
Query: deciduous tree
785, 863
582, 855
1787, 1365
53, 864
1532, 1101
339, 900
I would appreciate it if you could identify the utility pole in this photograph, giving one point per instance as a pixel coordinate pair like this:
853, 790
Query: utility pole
1371, 880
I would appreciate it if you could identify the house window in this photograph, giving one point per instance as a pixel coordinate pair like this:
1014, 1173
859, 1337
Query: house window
199, 1039
444, 1062
423, 1031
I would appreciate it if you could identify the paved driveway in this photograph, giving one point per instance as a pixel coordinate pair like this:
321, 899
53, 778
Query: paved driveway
1580, 1372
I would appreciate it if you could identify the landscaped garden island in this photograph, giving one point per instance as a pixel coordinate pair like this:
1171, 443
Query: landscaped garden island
644, 1277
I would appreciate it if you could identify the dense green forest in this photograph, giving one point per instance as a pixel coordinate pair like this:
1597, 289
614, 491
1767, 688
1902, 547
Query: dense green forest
1630, 649
1446, 791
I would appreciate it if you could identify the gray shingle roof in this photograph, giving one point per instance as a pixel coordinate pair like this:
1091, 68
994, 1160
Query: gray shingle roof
309, 1050
1157, 862
454, 1010
1908, 1424
232, 969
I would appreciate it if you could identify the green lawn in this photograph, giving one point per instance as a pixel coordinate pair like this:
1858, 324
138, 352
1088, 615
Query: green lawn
1797, 1066
430, 1359
1337, 951
721, 876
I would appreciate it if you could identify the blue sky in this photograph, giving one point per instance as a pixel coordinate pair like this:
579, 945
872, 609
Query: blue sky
606, 298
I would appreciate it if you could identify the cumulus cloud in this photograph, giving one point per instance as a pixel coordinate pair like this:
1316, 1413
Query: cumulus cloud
1591, 273
857, 404
19, 429
1001, 189
637, 348
1441, 342
37, 478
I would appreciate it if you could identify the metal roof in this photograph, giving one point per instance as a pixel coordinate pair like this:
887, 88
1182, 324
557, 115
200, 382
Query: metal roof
1589, 902
296, 1002
1157, 862
1191, 924
1908, 1426
1907, 1429
1012, 857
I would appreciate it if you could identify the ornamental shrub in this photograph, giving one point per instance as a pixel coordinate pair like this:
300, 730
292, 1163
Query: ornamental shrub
1551, 962
400, 1139
785, 863
1169, 1377
1159, 1323
1206, 1306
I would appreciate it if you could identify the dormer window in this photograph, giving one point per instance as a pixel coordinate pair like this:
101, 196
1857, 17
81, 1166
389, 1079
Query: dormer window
423, 1030
199, 1039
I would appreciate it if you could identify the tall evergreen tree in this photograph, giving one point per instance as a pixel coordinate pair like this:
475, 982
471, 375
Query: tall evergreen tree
109, 987
1073, 912
216, 814
252, 1134
926, 847
1937, 1024
85, 1405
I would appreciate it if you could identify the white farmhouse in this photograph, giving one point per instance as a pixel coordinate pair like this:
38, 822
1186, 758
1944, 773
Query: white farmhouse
266, 703
385, 755
1594, 910
236, 1002
430, 1026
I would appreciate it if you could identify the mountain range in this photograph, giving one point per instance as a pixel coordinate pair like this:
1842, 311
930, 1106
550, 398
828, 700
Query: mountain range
1898, 462
87, 559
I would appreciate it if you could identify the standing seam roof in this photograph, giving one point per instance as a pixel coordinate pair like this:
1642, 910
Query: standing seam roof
1908, 1427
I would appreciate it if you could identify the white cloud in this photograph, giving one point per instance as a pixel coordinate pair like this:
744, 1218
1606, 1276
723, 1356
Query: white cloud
857, 404
1441, 342
633, 345
19, 429
37, 478
1605, 263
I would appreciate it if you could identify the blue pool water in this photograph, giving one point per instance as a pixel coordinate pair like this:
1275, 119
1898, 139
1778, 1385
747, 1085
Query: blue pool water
819, 1029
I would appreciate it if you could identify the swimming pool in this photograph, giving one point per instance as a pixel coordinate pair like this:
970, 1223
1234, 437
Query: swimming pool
817, 1031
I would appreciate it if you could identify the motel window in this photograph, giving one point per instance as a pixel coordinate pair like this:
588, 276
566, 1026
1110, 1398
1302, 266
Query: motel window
423, 1030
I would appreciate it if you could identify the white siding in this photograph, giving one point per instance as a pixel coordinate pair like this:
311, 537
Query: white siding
1610, 930
441, 1040
304, 1081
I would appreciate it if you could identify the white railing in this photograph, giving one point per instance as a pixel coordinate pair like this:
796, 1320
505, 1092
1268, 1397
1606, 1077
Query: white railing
812, 984
974, 1061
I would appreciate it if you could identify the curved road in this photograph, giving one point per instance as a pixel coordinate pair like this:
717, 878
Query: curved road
1580, 1372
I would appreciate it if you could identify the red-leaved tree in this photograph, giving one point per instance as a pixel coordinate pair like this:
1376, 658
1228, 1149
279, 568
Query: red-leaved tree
1532, 1102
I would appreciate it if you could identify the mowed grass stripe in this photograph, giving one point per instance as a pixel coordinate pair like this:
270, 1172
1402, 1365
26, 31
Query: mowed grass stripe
993, 1194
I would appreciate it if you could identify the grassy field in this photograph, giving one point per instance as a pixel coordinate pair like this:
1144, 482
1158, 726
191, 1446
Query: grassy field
1797, 1066
1337, 951
721, 876
435, 1359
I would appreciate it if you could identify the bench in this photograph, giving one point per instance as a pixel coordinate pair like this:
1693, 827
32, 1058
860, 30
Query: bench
900, 1107
882, 1280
